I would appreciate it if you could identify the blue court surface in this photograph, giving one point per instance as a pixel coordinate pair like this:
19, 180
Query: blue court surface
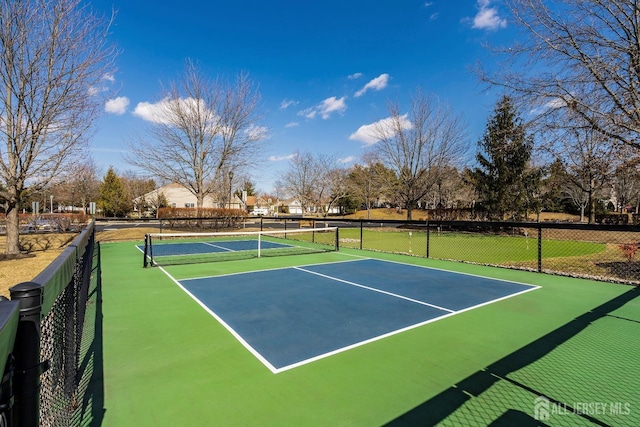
291, 316
193, 248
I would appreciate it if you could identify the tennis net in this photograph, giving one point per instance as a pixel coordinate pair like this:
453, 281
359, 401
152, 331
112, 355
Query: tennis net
191, 248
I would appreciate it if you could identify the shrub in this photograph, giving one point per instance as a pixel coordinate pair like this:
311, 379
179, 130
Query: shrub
629, 250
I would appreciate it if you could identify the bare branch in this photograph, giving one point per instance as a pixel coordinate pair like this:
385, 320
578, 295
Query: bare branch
54, 56
201, 131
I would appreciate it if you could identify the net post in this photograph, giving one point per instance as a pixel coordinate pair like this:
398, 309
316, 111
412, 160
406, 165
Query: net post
150, 260
28, 367
146, 250
259, 243
361, 231
337, 238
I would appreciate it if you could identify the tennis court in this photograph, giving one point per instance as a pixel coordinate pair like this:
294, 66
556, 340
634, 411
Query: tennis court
291, 316
359, 338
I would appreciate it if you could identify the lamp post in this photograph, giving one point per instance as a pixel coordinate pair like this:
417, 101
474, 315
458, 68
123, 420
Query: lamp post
51, 203
230, 180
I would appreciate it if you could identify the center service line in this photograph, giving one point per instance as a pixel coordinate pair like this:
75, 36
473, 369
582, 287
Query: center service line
376, 290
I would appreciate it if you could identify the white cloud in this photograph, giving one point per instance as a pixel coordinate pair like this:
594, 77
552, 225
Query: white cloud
553, 104
257, 133
370, 134
326, 108
282, 158
152, 112
346, 160
109, 77
93, 90
117, 105
292, 124
354, 76
487, 17
378, 83
162, 111
286, 103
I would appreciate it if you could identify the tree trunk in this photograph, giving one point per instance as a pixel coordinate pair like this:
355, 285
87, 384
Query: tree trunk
592, 206
13, 229
199, 205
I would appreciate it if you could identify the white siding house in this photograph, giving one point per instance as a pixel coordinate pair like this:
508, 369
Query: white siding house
179, 197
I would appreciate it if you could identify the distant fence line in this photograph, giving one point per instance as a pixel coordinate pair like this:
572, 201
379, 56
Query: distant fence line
595, 251
605, 252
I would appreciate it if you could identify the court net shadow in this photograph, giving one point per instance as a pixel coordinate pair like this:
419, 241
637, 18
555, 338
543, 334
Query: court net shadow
590, 359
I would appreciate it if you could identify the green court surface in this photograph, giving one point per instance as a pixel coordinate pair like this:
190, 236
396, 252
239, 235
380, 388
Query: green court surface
167, 361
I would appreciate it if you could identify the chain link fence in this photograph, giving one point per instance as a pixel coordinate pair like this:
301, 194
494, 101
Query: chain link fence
55, 349
599, 251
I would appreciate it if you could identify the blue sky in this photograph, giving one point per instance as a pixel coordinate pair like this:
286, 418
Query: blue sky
325, 68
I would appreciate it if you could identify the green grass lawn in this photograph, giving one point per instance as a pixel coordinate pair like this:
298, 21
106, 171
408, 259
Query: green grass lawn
495, 249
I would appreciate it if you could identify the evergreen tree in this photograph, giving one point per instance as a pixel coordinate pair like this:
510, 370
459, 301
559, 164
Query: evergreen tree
554, 199
114, 198
247, 186
502, 180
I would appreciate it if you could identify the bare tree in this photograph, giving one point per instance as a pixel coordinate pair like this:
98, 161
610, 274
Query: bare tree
80, 186
627, 184
578, 55
315, 180
589, 161
368, 182
336, 187
86, 184
577, 195
203, 132
418, 145
588, 155
54, 55
300, 179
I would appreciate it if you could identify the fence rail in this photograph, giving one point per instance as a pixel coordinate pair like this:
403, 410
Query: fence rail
48, 353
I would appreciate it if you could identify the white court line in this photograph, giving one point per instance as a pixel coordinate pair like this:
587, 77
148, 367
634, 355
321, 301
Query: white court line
219, 247
375, 290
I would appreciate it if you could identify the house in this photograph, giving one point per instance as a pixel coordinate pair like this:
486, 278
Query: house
178, 196
294, 207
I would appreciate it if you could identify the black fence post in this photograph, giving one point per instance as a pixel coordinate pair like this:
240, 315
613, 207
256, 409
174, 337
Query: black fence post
9, 316
361, 226
539, 248
27, 354
428, 236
